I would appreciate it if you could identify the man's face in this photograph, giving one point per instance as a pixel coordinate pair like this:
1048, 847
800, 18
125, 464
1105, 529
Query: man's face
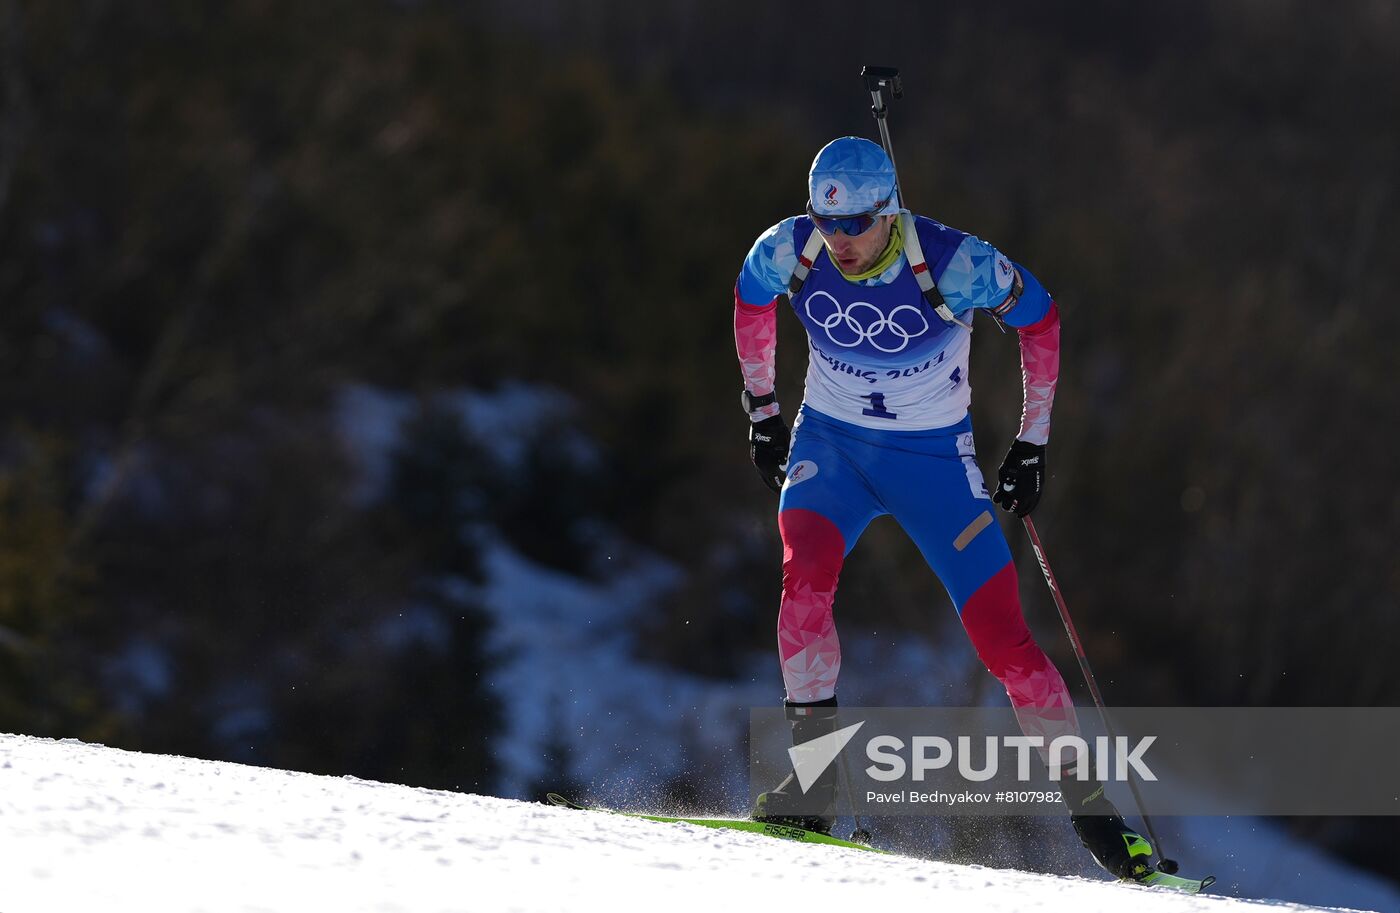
857, 254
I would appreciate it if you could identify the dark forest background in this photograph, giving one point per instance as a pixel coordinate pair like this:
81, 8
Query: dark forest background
216, 215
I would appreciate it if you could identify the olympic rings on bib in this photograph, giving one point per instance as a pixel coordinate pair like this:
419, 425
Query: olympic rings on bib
864, 322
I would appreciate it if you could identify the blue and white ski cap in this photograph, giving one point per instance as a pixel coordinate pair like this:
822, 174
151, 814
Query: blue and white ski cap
850, 176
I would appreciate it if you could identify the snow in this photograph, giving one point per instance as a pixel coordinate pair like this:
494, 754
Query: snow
85, 827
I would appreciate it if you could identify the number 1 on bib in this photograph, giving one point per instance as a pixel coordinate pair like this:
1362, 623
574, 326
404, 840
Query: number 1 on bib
877, 407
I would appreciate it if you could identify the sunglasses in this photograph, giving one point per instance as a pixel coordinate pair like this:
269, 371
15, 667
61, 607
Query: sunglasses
850, 226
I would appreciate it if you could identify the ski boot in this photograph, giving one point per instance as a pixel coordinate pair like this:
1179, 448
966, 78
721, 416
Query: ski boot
1117, 848
787, 804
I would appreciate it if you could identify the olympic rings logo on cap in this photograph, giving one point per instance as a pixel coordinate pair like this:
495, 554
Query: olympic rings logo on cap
848, 327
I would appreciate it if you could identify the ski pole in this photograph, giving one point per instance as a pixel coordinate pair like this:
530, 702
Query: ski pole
1165, 865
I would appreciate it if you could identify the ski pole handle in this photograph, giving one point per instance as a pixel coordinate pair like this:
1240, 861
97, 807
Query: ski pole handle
877, 79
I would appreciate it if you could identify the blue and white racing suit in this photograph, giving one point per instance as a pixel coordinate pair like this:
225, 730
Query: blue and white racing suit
884, 429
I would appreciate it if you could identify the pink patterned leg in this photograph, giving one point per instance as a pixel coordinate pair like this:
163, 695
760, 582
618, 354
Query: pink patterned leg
992, 617
813, 551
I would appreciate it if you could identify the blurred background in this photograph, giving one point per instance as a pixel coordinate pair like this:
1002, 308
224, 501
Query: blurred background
368, 398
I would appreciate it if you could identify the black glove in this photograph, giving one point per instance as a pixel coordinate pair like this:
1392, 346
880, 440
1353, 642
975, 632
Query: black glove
1021, 478
768, 448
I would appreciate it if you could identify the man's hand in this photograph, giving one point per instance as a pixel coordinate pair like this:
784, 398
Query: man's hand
768, 448
1021, 478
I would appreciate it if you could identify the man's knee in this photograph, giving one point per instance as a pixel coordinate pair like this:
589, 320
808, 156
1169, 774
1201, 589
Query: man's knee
813, 549
994, 622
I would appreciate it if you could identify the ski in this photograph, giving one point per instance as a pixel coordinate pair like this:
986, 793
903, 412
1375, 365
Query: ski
1167, 882
1159, 880
780, 831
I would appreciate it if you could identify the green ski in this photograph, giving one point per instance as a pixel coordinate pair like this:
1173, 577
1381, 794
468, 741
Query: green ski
1174, 882
780, 831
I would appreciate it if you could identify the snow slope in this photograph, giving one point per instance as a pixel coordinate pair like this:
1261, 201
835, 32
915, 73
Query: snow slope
84, 827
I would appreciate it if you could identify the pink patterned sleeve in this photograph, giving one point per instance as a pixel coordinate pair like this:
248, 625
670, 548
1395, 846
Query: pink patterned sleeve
756, 339
1040, 369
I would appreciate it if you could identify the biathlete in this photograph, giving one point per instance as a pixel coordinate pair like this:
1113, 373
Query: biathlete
887, 300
